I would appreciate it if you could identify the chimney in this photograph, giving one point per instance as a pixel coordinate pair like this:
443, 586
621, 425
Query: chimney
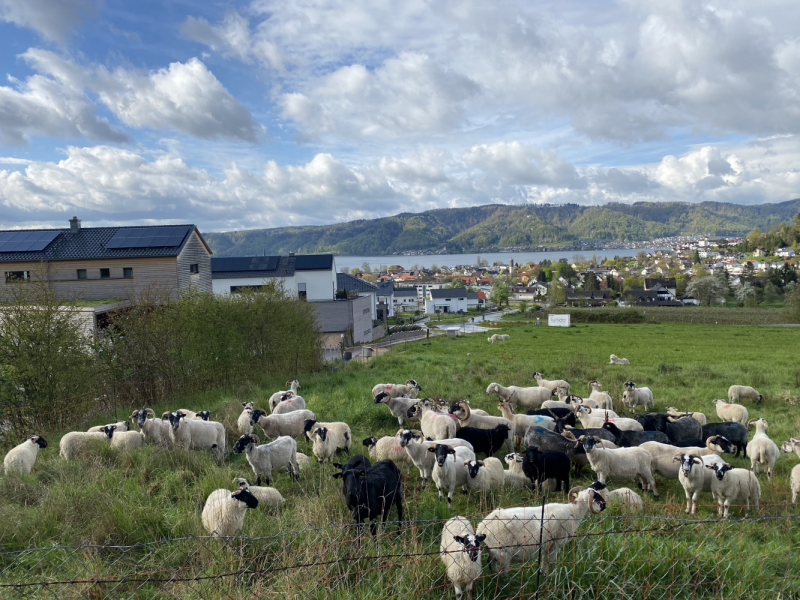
74, 224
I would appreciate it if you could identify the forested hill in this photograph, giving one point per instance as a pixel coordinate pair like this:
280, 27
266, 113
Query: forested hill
484, 228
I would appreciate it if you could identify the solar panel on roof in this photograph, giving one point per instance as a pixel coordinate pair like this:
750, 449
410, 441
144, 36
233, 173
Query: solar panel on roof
148, 237
313, 262
26, 241
244, 263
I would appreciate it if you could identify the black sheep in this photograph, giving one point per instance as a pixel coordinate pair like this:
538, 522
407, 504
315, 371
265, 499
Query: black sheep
628, 439
548, 464
733, 432
677, 430
370, 492
484, 441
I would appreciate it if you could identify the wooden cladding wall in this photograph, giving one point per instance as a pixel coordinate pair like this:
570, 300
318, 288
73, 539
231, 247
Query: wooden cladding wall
194, 253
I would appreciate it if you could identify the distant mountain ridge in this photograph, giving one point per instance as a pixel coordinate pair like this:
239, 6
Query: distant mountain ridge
495, 226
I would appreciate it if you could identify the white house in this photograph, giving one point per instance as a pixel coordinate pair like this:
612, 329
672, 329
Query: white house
385, 298
309, 277
784, 252
405, 300
452, 300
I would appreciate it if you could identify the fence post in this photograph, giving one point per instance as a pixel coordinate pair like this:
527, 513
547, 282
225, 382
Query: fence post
541, 535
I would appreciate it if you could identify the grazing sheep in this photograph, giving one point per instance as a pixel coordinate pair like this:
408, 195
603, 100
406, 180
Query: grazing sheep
410, 388
498, 338
624, 424
697, 416
197, 435
123, 439
550, 384
387, 448
370, 491
417, 450
734, 413
450, 468
526, 397
663, 454
289, 403
733, 485
693, 477
514, 534
294, 385
156, 431
20, 459
75, 440
324, 444
626, 497
763, 452
467, 418
633, 396
266, 496
736, 433
460, 551
344, 438
398, 405
120, 425
616, 360
620, 464
522, 422
291, 424
602, 398
434, 425
744, 392
484, 475
548, 464
302, 460
265, 458
223, 513
484, 441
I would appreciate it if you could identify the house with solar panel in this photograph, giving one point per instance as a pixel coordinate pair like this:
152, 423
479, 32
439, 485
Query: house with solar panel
95, 263
306, 277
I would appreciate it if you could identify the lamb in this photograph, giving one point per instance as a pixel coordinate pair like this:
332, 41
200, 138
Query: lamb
763, 451
522, 422
294, 385
548, 464
344, 438
735, 413
197, 435
633, 396
736, 433
291, 424
75, 440
417, 450
460, 552
121, 426
629, 499
484, 441
324, 444
499, 338
513, 534
693, 477
602, 398
697, 416
434, 425
744, 392
734, 485
467, 418
616, 360
156, 431
447, 473
265, 458
484, 475
410, 388
266, 496
387, 448
526, 397
20, 459
620, 464
223, 513
550, 384
397, 405
623, 423
663, 454
124, 439
789, 446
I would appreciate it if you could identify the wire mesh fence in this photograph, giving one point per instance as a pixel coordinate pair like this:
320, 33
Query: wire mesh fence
615, 556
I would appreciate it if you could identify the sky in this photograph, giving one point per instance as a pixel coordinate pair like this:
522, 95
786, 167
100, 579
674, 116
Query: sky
242, 115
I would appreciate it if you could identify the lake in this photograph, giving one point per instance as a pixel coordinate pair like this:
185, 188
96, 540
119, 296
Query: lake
453, 260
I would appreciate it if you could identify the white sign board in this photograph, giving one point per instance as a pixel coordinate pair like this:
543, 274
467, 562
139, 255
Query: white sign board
558, 320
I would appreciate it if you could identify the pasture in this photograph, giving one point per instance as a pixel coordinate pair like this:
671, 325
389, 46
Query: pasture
122, 498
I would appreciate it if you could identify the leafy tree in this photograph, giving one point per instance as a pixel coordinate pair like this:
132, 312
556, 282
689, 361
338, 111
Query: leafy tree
344, 270
706, 289
633, 282
641, 257
744, 293
523, 306
556, 294
456, 282
771, 293
590, 283
696, 257
365, 268
501, 290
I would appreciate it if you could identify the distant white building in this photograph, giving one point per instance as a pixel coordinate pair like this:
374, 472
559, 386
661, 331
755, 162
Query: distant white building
784, 252
450, 300
308, 277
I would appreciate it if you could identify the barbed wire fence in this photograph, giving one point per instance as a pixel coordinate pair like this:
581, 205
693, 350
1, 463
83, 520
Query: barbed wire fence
642, 556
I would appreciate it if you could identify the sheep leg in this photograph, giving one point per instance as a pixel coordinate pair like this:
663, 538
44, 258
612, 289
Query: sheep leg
727, 508
459, 592
258, 479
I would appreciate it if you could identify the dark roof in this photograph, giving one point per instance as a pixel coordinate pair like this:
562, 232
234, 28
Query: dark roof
406, 292
91, 243
651, 282
448, 293
589, 294
314, 262
385, 288
256, 267
348, 283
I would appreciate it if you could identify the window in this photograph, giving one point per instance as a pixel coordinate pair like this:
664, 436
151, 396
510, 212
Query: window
243, 288
301, 291
17, 275
81, 273
195, 268
105, 273
127, 272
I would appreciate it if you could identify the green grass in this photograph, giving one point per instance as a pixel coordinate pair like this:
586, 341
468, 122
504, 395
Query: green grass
109, 496
714, 315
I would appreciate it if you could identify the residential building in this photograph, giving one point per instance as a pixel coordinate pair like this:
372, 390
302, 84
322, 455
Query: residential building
784, 252
667, 282
354, 286
405, 299
476, 300
308, 277
385, 299
759, 252
653, 297
452, 300
587, 298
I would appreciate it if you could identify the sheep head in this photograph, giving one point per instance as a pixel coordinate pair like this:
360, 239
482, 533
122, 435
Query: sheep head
39, 441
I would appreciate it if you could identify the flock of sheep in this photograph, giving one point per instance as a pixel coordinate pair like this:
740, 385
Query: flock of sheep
561, 433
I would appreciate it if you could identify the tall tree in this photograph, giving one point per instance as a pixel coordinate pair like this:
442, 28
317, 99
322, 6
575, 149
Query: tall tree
706, 289
501, 290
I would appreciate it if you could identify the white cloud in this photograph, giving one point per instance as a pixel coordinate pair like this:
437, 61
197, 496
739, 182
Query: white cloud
520, 164
53, 19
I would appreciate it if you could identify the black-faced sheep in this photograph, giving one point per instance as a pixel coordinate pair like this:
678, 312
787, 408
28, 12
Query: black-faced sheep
20, 459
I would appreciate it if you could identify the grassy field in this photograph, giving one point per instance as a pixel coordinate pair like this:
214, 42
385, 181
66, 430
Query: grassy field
714, 315
124, 498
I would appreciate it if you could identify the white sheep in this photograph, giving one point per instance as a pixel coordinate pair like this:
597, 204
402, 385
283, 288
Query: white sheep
73, 441
789, 446
344, 437
522, 422
291, 424
616, 360
268, 497
596, 393
197, 435
294, 385
637, 396
628, 500
514, 534
468, 418
619, 464
325, 443
417, 450
202, 415
484, 475
663, 454
121, 426
526, 397
558, 404
550, 384
601, 413
156, 431
763, 452
434, 424
461, 554
743, 392
588, 421
731, 485
124, 439
387, 447
223, 513
21, 458
302, 460
410, 388
265, 458
693, 477
450, 470
497, 337
697, 416
735, 413
289, 404
244, 423
398, 405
